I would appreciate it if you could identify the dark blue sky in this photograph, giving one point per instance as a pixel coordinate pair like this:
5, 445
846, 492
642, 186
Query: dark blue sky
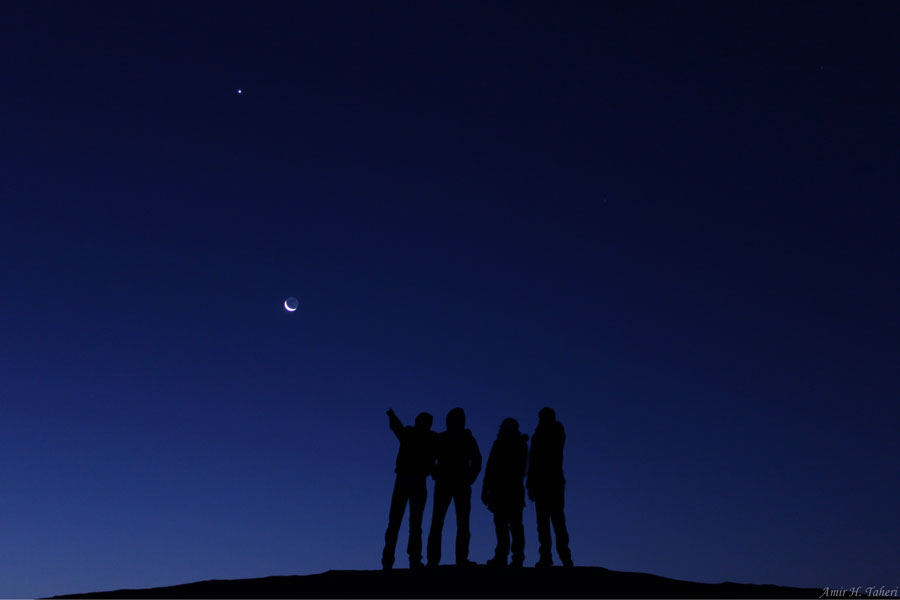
675, 223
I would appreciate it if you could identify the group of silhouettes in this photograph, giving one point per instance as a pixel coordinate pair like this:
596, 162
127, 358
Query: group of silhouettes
453, 460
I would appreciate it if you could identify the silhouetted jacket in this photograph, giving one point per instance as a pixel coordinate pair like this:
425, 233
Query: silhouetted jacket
458, 458
545, 472
417, 449
503, 487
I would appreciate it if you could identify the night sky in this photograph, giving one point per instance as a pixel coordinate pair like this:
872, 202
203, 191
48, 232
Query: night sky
675, 223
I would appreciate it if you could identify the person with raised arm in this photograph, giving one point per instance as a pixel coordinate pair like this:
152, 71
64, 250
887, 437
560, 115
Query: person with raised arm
415, 462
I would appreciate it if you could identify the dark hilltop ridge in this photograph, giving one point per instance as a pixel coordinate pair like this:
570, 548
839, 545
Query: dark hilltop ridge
465, 582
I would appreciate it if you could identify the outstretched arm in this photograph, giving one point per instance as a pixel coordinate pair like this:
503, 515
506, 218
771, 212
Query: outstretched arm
396, 425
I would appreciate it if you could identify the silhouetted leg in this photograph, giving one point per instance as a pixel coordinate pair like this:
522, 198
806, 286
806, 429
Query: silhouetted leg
501, 527
395, 517
462, 501
418, 493
518, 535
559, 528
545, 542
438, 512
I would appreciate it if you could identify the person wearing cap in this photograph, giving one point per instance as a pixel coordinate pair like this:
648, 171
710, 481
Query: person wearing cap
415, 461
503, 492
546, 487
457, 467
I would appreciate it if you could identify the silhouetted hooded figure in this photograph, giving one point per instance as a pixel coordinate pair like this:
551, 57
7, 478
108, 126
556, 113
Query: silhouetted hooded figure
415, 462
546, 486
458, 465
503, 491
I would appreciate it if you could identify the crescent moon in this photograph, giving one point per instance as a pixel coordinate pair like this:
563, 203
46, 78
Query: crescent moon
288, 308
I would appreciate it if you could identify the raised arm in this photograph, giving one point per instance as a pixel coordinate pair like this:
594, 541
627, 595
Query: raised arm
396, 425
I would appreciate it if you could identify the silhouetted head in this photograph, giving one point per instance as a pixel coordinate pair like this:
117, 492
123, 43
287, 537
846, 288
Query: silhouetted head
547, 415
424, 421
456, 419
509, 427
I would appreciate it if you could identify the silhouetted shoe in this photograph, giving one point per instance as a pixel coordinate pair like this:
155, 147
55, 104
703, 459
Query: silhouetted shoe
567, 562
416, 564
431, 565
517, 563
496, 562
467, 563
544, 562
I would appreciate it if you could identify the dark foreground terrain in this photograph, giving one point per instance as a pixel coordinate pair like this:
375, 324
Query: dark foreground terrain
471, 582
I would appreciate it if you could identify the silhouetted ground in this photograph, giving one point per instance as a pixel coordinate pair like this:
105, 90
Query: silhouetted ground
470, 582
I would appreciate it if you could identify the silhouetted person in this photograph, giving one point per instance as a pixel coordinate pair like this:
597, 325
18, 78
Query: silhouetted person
546, 486
415, 461
503, 491
458, 465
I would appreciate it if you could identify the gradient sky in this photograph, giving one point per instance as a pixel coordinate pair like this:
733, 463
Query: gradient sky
675, 223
